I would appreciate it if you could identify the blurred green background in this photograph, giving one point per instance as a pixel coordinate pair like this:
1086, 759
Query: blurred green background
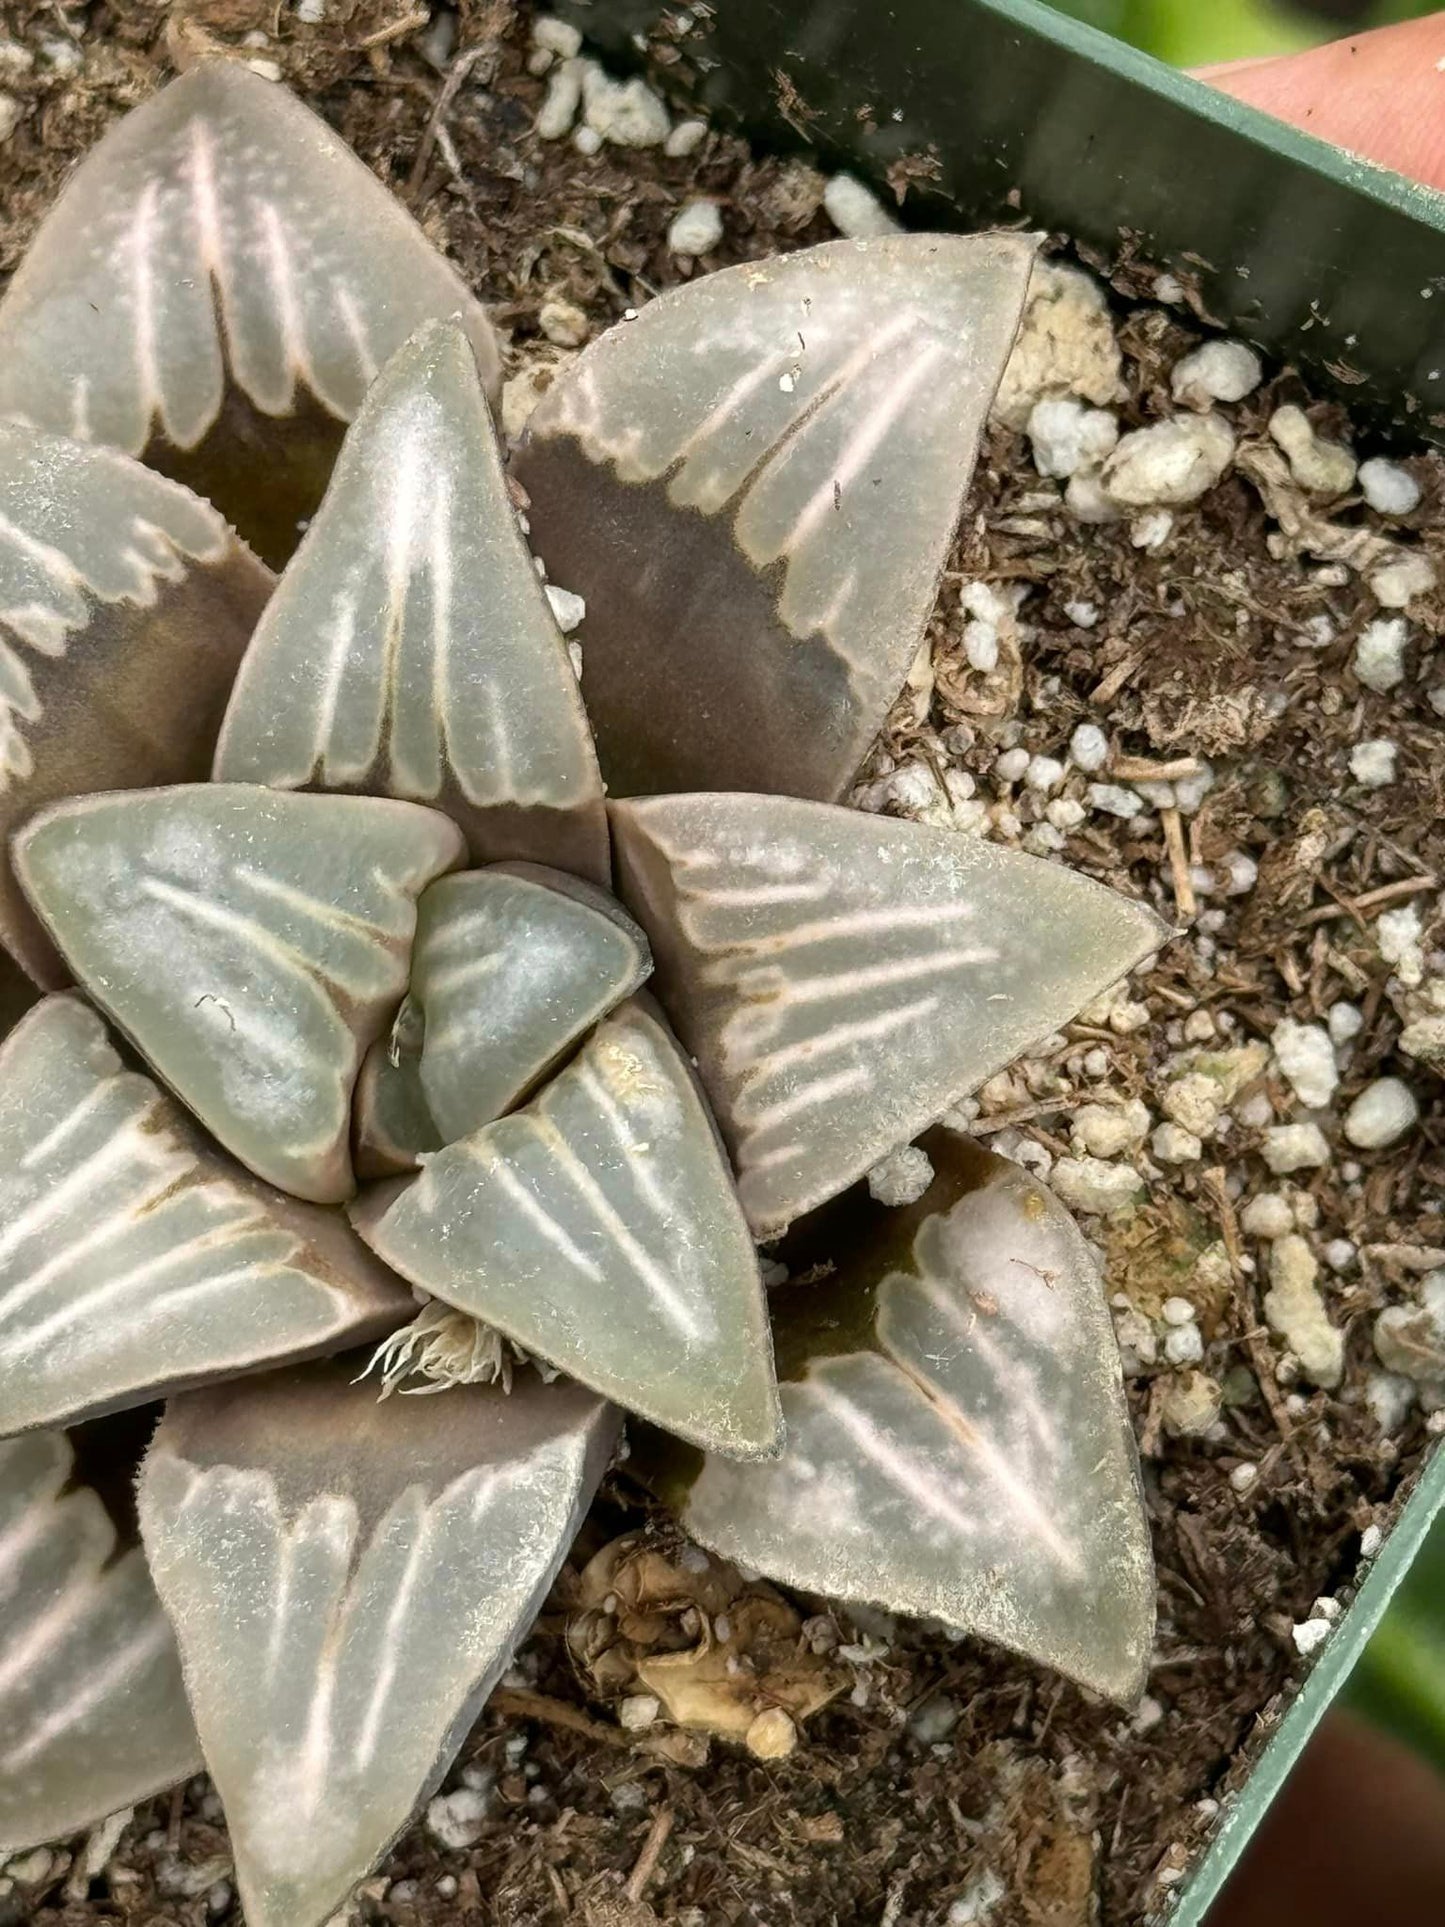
1400, 1682
1192, 33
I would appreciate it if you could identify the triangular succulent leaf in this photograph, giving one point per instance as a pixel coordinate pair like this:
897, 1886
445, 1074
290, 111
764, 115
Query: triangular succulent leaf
125, 606
512, 966
221, 258
134, 1259
958, 1443
410, 649
348, 1580
842, 979
394, 1127
598, 1229
93, 1716
753, 484
250, 943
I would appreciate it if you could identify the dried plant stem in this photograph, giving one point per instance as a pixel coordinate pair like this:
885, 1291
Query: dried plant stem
1184, 895
652, 1848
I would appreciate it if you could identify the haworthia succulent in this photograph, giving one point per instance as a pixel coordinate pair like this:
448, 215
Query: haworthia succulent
251, 944
842, 979
754, 485
410, 649
958, 1444
598, 1229
134, 1259
512, 966
125, 606
394, 1127
220, 255
93, 1716
348, 1580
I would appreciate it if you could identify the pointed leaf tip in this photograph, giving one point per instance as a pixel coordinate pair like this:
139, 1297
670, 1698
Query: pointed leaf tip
348, 1581
220, 258
134, 1259
842, 978
512, 966
93, 1716
410, 649
959, 1444
754, 485
251, 944
598, 1229
125, 607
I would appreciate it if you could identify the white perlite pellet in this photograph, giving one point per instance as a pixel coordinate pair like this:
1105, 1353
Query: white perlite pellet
1088, 748
1390, 1397
1066, 345
1151, 530
695, 229
1397, 938
1114, 800
1170, 464
1388, 488
560, 102
10, 115
1294, 1308
855, 211
564, 323
1104, 1130
1184, 1344
455, 1819
1323, 467
1309, 1635
1372, 763
1089, 1184
569, 609
980, 646
1295, 1147
1172, 1144
685, 139
559, 37
1193, 1100
1011, 765
1086, 501
1380, 653
1382, 1114
1268, 1216
1043, 775
625, 112
1397, 584
1067, 435
1306, 1057
638, 1711
902, 1177
1219, 371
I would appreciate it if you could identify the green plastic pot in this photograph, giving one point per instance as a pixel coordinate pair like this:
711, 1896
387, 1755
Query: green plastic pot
1317, 257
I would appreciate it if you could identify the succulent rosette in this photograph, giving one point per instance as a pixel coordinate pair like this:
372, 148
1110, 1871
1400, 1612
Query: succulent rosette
416, 999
